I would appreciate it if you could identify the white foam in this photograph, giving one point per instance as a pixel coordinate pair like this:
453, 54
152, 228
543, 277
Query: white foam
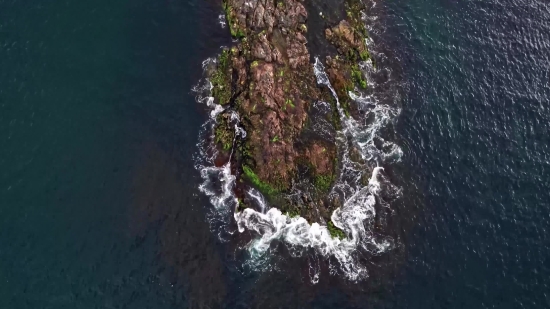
259, 198
222, 20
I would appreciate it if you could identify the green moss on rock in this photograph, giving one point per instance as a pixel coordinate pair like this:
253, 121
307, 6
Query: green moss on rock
349, 36
324, 182
257, 182
334, 231
237, 31
224, 133
358, 76
221, 78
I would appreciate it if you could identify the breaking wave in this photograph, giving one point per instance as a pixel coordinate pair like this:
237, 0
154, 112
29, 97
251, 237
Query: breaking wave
362, 186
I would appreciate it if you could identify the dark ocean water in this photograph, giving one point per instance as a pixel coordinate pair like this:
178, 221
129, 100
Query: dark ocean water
99, 205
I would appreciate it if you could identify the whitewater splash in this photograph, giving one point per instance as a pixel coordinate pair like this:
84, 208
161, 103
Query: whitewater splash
358, 211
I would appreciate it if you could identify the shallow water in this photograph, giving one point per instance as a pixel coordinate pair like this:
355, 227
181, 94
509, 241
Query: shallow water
99, 198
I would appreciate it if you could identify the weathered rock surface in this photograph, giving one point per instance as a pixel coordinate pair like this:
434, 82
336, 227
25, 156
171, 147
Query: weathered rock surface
268, 80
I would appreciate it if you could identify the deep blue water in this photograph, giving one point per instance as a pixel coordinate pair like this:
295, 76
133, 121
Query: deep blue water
99, 206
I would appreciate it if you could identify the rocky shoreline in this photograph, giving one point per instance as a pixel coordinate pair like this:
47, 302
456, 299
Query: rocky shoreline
268, 80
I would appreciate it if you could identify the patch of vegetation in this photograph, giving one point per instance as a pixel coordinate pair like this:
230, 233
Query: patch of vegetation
241, 205
358, 76
288, 102
335, 232
353, 12
255, 180
345, 104
324, 182
365, 55
223, 134
236, 31
244, 149
221, 78
353, 53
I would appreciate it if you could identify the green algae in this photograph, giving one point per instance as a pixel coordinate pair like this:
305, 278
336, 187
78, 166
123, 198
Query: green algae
241, 205
324, 182
224, 133
358, 76
257, 182
236, 31
334, 231
221, 78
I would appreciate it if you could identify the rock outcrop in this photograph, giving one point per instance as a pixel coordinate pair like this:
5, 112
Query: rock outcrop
268, 80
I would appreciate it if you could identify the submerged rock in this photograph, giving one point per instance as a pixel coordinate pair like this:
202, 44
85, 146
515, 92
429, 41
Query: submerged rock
268, 80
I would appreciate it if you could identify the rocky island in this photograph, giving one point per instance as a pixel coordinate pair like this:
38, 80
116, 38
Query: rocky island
267, 79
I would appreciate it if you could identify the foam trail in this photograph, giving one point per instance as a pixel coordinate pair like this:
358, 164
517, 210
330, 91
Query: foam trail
259, 198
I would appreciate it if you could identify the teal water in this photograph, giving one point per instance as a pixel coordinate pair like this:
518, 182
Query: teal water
61, 138
99, 205
91, 101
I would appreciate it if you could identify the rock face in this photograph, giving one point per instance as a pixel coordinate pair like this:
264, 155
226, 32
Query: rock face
268, 80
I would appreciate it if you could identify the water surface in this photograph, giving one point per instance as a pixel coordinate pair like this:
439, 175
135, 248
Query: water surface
99, 205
